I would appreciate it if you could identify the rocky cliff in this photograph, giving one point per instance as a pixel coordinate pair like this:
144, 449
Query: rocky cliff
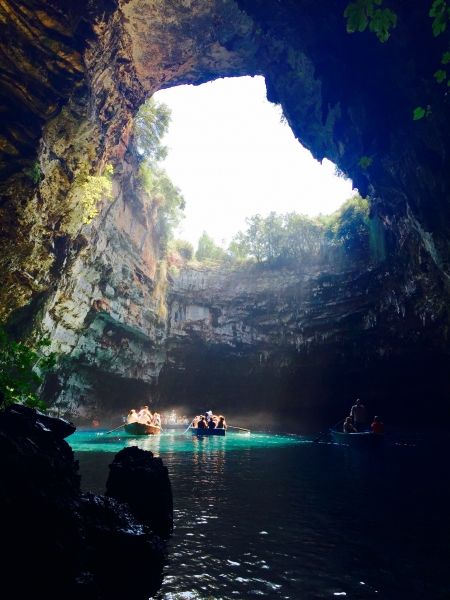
73, 76
303, 339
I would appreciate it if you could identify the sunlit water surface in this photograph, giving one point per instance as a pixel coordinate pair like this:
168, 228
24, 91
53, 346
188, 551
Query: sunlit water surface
277, 516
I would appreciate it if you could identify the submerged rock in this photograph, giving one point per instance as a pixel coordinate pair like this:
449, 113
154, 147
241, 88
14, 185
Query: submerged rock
58, 542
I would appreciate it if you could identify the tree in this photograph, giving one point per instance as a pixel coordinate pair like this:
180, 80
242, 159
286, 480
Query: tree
184, 248
349, 225
293, 237
207, 249
150, 125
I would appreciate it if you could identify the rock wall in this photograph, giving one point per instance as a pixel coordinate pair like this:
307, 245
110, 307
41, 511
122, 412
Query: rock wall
304, 339
104, 317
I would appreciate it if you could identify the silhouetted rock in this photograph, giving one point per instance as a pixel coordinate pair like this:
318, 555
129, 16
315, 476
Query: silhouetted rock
57, 542
142, 481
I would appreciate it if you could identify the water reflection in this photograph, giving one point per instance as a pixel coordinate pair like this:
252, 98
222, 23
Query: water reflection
276, 517
176, 441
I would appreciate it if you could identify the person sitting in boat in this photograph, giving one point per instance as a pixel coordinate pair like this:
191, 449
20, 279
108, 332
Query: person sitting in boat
132, 416
156, 421
359, 415
348, 426
145, 416
211, 424
195, 421
202, 424
221, 423
377, 426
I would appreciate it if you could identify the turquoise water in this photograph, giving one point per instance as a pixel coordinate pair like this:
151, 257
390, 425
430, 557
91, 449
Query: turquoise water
173, 440
278, 517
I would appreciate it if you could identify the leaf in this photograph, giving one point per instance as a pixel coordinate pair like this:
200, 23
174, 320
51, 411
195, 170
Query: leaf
445, 58
436, 7
356, 17
383, 20
418, 113
440, 75
365, 162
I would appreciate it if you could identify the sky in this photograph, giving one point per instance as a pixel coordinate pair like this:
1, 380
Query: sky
232, 157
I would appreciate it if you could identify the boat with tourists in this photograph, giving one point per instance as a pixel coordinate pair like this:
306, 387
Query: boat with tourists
357, 438
207, 425
142, 422
206, 432
142, 429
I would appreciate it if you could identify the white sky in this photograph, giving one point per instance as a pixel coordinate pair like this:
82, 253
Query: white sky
232, 158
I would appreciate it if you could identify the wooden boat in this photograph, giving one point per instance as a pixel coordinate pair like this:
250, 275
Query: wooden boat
203, 432
142, 429
360, 438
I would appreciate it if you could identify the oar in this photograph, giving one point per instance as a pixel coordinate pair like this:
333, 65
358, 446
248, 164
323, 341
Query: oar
322, 435
241, 428
120, 427
190, 425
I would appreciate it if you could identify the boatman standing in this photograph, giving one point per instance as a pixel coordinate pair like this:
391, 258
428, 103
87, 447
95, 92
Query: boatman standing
359, 415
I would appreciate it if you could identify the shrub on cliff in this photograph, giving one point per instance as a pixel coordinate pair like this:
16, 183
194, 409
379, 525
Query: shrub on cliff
150, 126
208, 250
21, 372
184, 248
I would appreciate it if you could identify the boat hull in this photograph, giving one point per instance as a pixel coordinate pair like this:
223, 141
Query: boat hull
361, 438
142, 429
207, 432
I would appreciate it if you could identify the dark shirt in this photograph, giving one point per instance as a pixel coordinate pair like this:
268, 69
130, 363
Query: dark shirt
220, 424
211, 424
202, 424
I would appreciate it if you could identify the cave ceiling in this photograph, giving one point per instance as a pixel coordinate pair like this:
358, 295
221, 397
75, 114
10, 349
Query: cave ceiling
74, 74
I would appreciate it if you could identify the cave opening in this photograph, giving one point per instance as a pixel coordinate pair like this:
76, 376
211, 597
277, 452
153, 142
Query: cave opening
233, 155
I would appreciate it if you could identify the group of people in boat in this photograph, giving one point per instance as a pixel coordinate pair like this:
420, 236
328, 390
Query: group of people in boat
144, 416
209, 421
357, 420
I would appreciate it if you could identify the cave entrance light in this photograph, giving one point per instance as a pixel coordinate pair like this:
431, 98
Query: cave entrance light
233, 156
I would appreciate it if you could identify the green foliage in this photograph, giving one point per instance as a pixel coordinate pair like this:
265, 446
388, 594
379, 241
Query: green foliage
170, 202
184, 248
21, 371
365, 162
90, 189
208, 250
440, 13
419, 112
349, 226
34, 173
292, 237
364, 13
150, 126
440, 75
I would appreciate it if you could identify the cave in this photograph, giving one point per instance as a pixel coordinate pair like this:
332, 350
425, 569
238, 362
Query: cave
73, 78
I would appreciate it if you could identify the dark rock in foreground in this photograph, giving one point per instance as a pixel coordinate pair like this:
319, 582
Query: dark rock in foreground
142, 481
58, 542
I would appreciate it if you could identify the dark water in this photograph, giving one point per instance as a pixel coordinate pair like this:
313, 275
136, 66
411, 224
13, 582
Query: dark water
296, 520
